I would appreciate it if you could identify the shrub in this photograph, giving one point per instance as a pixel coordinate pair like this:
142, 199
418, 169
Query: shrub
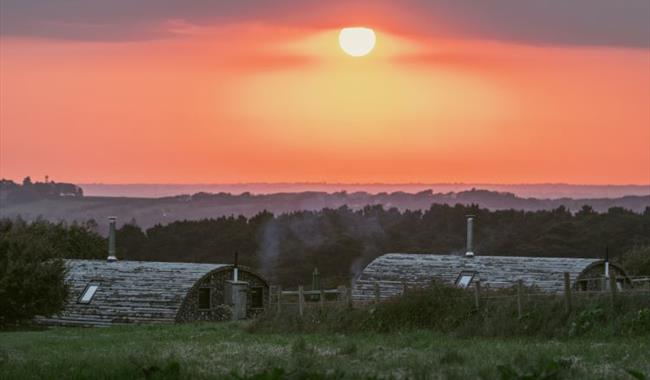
586, 321
437, 307
637, 323
637, 261
32, 276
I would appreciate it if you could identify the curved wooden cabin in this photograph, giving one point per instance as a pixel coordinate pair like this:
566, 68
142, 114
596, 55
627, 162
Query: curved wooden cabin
392, 272
123, 292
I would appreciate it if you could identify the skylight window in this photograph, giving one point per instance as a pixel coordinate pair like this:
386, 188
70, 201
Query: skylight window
464, 279
88, 293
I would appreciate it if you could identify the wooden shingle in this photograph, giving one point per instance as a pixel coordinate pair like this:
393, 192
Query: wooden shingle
395, 270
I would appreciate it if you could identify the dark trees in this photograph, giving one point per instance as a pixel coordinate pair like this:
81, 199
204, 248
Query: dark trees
340, 242
31, 274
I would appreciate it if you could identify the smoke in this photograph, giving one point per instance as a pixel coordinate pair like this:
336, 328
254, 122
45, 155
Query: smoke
372, 233
318, 231
303, 227
269, 246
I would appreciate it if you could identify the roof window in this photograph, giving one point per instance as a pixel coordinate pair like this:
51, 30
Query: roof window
464, 279
88, 293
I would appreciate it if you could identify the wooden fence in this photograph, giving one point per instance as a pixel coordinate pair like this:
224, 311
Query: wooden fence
342, 296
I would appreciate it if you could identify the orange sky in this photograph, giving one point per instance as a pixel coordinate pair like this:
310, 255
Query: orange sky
267, 102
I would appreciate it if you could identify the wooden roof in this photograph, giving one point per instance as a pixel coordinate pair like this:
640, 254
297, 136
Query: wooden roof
129, 291
393, 271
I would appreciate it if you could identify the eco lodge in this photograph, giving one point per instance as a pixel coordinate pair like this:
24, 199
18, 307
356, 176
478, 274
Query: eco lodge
112, 292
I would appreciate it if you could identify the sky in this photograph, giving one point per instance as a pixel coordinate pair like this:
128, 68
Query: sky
162, 91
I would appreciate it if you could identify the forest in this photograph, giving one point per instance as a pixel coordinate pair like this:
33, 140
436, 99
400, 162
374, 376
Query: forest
340, 242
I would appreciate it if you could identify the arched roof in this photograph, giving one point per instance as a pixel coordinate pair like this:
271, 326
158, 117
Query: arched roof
129, 291
393, 271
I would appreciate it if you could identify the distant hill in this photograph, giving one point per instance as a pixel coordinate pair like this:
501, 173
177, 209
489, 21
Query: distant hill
15, 193
539, 190
151, 211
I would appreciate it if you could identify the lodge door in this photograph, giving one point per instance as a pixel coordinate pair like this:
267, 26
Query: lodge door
239, 300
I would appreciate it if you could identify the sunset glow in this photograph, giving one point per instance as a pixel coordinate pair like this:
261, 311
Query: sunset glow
275, 101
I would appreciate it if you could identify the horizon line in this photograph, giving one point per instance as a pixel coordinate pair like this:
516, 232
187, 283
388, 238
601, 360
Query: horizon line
358, 183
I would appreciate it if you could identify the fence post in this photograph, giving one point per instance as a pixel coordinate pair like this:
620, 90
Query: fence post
404, 287
477, 295
519, 290
322, 299
341, 294
348, 297
301, 301
567, 291
271, 289
613, 288
377, 292
278, 295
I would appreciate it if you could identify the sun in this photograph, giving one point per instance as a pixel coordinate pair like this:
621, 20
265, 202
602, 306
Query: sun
357, 41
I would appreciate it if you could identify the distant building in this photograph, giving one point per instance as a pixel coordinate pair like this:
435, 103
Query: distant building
124, 292
112, 292
391, 273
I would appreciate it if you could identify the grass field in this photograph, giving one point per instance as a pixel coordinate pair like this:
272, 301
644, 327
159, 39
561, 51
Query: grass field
227, 350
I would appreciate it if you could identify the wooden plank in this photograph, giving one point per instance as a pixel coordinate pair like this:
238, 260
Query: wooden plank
301, 301
519, 294
567, 292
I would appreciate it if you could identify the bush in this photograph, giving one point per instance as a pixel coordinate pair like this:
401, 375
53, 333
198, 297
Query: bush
438, 307
586, 321
637, 261
32, 275
637, 323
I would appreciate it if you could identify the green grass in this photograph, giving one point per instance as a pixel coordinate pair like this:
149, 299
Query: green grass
227, 350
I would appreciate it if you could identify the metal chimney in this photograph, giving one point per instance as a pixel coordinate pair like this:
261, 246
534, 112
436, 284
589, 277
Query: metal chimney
315, 280
470, 236
235, 270
111, 239
607, 262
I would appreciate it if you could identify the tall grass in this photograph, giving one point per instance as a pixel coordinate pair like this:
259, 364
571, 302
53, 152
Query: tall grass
452, 310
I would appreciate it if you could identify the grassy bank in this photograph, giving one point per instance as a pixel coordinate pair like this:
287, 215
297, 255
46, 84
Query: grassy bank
228, 350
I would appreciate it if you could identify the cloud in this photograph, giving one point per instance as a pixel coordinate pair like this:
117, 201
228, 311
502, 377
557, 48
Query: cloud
624, 23
571, 22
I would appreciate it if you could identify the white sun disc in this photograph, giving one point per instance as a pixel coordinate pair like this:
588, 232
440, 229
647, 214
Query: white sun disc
357, 41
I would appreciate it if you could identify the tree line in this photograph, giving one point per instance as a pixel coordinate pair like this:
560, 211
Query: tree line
287, 247
340, 242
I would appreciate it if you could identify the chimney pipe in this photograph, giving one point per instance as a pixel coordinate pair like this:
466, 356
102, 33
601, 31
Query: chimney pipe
470, 236
111, 239
315, 280
606, 261
235, 271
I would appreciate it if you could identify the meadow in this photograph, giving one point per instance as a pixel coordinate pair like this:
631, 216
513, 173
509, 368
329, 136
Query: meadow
231, 351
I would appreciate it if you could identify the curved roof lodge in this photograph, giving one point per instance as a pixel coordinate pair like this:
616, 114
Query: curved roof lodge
392, 272
104, 293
